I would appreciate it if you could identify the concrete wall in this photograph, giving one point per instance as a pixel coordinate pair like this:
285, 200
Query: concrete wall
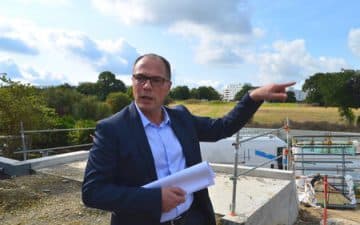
264, 196
283, 208
17, 168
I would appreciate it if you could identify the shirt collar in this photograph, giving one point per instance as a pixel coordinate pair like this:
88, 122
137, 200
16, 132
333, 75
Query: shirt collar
145, 121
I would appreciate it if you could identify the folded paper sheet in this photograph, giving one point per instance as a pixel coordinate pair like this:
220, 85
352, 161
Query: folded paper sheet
191, 179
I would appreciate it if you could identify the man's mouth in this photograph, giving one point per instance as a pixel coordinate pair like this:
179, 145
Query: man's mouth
144, 97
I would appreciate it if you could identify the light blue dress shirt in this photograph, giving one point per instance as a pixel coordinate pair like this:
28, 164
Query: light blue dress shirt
167, 152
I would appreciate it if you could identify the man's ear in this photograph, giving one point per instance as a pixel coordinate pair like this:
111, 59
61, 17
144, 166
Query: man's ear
170, 83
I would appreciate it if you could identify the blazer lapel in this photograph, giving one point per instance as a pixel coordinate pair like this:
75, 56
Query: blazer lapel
142, 143
179, 129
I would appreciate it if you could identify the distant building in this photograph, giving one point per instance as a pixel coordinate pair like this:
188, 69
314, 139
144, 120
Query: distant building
349, 71
230, 91
299, 95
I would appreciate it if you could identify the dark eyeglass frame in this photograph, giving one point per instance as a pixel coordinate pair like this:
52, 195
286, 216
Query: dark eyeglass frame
155, 81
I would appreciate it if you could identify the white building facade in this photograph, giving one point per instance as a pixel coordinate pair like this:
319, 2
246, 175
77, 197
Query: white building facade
230, 91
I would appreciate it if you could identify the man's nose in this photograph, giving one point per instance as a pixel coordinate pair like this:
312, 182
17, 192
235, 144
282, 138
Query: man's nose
147, 84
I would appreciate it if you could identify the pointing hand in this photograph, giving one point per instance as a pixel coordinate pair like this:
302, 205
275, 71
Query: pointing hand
271, 92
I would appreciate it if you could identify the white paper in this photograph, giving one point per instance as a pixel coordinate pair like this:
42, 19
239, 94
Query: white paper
191, 179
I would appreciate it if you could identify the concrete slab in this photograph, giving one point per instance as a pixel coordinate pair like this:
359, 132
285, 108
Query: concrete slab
72, 171
61, 159
259, 200
17, 168
12, 167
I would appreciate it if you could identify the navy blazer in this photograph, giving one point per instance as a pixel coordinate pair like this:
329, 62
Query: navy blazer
120, 161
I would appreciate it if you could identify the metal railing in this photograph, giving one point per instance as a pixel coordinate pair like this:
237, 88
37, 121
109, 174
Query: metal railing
338, 152
45, 151
237, 144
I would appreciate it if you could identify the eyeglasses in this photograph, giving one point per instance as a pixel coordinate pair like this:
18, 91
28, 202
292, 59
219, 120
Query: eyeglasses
155, 81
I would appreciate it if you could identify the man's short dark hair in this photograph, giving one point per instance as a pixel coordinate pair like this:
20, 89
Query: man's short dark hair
165, 61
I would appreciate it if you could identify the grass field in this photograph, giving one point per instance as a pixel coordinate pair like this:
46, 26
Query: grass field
271, 113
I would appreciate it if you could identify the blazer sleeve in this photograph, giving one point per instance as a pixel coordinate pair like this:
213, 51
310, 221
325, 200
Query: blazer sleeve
102, 190
209, 129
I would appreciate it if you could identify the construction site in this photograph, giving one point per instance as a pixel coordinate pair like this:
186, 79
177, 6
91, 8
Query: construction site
262, 177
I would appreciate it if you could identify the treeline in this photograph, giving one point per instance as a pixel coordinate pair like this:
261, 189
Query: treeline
62, 106
57, 107
67, 106
209, 93
339, 89
202, 92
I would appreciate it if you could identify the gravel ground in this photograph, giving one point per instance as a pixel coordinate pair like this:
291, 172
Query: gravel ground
42, 199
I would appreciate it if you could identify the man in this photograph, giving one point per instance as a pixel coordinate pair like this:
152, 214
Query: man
147, 141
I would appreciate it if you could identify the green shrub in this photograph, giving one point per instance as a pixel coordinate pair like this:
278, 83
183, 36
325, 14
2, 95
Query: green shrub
82, 136
103, 110
117, 101
90, 108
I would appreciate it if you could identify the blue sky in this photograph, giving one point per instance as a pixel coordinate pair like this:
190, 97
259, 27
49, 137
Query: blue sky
208, 42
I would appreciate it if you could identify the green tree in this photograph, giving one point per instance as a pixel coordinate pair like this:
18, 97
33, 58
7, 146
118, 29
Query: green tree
62, 99
90, 108
117, 101
129, 92
108, 83
180, 93
312, 89
65, 122
245, 89
194, 93
82, 136
208, 93
347, 114
290, 96
102, 110
88, 88
23, 102
353, 85
339, 89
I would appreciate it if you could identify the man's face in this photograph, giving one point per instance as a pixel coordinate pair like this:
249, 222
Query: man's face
150, 94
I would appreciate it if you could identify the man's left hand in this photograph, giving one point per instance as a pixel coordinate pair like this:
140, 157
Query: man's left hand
271, 92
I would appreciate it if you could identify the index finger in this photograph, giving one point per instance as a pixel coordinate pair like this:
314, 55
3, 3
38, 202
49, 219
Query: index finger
288, 84
178, 191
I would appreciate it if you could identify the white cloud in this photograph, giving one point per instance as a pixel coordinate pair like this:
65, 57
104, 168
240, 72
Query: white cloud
230, 16
16, 45
354, 41
38, 75
29, 74
9, 67
18, 36
192, 83
47, 2
290, 61
213, 47
114, 55
222, 28
73, 48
